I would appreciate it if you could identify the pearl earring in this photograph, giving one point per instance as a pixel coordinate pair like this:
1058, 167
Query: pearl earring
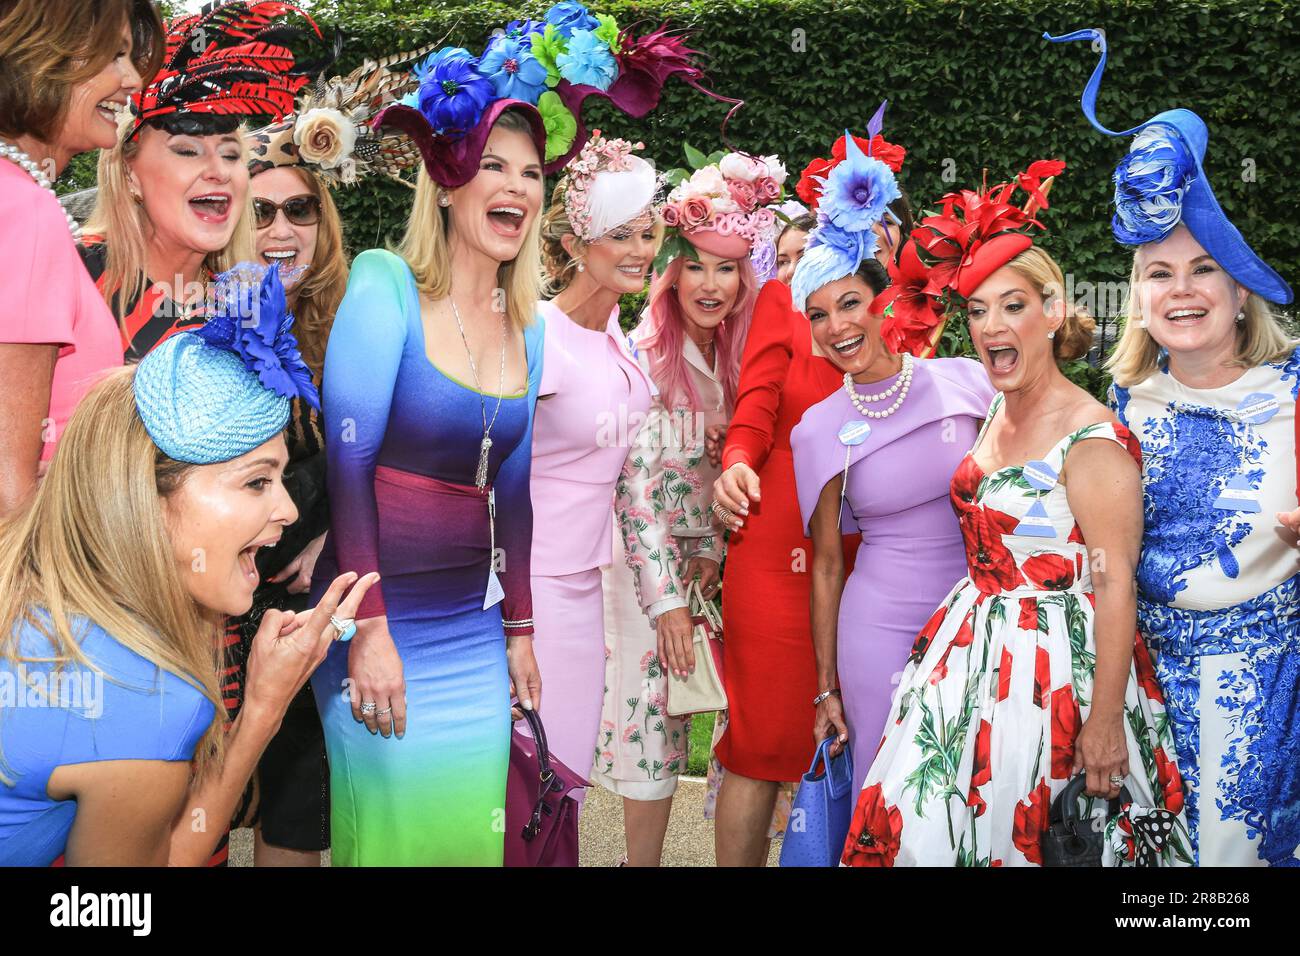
1241, 318
1052, 334
581, 267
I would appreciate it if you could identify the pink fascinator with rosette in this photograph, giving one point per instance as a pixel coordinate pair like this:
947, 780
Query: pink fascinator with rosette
725, 207
607, 186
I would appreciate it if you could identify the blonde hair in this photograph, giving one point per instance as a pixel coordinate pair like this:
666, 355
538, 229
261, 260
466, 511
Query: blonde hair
122, 224
321, 290
426, 248
559, 266
1260, 339
1073, 338
94, 543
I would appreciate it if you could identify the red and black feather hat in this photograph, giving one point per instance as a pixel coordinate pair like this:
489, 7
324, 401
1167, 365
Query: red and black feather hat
230, 61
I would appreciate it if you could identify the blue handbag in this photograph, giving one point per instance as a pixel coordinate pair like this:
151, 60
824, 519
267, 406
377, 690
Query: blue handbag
823, 807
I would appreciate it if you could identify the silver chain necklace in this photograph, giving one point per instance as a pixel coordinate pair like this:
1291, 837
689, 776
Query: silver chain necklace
24, 162
480, 476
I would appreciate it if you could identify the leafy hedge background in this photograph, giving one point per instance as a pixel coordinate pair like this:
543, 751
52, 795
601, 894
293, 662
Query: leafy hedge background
971, 85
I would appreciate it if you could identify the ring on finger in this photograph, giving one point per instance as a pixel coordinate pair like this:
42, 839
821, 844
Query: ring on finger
384, 713
346, 627
1116, 780
368, 707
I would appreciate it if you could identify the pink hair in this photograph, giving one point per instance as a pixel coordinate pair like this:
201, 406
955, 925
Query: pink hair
665, 330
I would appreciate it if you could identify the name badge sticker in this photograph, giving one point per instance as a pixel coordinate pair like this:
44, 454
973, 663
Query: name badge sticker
1039, 475
1257, 408
855, 433
1035, 523
495, 594
1237, 495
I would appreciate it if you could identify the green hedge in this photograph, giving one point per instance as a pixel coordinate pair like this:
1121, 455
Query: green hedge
971, 86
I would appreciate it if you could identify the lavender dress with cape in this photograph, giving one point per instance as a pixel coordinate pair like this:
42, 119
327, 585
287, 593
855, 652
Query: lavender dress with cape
897, 496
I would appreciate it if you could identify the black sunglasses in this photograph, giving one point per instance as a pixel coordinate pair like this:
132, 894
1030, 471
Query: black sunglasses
300, 210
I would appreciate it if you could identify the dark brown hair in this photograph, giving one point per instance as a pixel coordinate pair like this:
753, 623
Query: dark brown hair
48, 47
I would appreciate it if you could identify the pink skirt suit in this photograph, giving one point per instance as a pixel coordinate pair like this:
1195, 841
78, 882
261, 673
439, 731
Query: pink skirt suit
593, 399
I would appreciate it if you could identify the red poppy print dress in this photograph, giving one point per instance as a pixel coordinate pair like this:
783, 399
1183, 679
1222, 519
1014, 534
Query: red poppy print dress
981, 732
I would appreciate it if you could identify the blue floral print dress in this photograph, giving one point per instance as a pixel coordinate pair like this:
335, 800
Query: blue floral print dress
1219, 600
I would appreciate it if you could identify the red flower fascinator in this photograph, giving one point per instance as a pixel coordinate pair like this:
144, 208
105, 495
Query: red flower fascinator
947, 256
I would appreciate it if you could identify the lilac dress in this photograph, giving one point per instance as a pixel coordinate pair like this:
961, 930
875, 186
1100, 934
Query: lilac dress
897, 496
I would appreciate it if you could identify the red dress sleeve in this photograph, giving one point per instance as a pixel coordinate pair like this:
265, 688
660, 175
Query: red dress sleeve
764, 366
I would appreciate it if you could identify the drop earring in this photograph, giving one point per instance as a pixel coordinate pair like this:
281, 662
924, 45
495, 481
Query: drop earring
581, 266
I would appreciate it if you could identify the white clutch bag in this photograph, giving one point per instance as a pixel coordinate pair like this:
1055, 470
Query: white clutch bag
701, 691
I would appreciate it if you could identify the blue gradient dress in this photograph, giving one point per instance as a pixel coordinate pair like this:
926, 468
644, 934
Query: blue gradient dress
403, 444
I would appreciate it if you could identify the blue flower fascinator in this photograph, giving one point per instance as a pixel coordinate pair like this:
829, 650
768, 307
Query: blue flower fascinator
220, 391
1161, 182
855, 196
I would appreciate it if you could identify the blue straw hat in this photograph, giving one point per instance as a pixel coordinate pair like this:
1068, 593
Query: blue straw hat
1162, 182
219, 392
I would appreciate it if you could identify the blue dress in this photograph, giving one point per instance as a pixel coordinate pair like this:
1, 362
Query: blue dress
402, 440
128, 709
1219, 600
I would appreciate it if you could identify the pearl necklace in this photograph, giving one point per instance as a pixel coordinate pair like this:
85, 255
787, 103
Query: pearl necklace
16, 156
902, 386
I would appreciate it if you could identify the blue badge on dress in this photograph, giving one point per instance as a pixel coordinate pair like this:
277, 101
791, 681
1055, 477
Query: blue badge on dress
1039, 475
1036, 523
1257, 408
1237, 495
855, 433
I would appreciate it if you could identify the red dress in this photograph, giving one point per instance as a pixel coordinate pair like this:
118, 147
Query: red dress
769, 666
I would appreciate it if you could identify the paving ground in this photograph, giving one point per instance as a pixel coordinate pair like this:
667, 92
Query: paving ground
689, 842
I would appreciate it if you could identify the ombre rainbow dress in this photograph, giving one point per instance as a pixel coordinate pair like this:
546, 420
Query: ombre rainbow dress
403, 445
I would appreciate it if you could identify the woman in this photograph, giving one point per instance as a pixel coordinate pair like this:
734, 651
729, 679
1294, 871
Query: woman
173, 204
689, 344
173, 198
104, 607
430, 384
65, 68
598, 243
770, 670
916, 420
1028, 673
790, 245
298, 230
1207, 378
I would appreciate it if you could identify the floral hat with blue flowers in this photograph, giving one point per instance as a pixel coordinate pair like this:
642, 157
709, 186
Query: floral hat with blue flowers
855, 195
220, 391
546, 69
1162, 182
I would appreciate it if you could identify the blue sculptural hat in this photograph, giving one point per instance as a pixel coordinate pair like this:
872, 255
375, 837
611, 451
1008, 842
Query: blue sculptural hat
855, 196
1162, 182
216, 393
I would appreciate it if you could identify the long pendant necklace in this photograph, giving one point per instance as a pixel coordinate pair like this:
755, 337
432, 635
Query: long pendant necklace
901, 387
480, 476
28, 165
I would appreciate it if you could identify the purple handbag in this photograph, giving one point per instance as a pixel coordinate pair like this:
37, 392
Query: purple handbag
541, 813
